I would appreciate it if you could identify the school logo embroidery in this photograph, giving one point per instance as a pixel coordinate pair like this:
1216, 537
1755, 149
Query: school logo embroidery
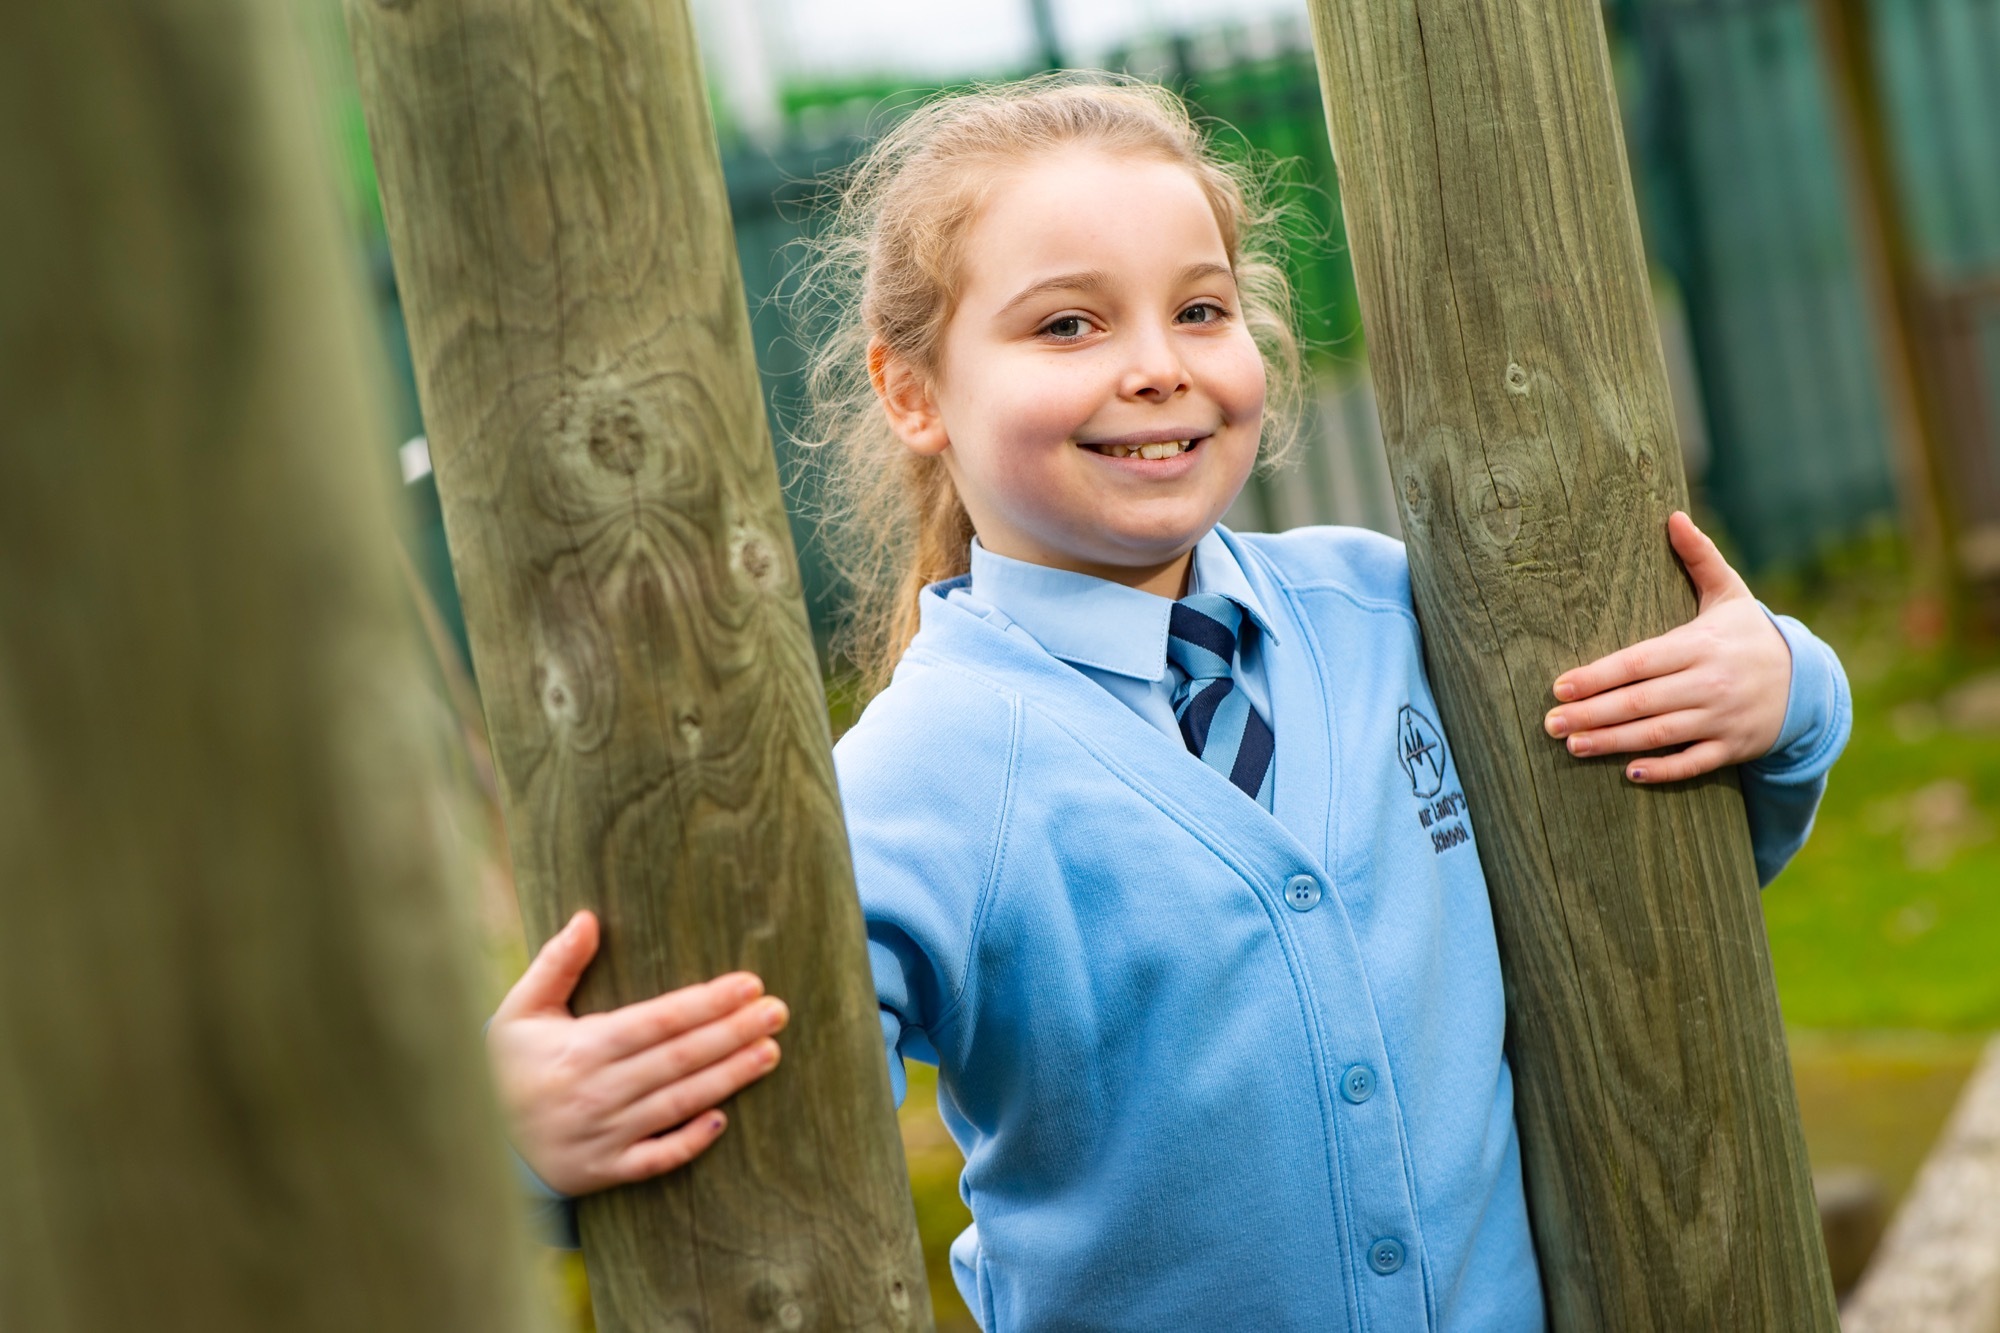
1421, 752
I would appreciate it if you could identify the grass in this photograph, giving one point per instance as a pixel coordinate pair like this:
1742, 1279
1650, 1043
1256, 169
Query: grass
1877, 1100
941, 1214
1885, 931
1890, 916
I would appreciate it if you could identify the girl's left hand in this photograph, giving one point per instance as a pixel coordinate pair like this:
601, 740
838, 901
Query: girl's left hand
1718, 685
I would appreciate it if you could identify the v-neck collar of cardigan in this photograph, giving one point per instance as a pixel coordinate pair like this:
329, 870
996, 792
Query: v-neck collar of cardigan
954, 635
1096, 623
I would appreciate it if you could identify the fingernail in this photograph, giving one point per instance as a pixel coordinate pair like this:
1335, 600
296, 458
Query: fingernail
775, 1013
748, 987
767, 1055
1556, 723
1636, 774
716, 1120
1579, 745
1565, 691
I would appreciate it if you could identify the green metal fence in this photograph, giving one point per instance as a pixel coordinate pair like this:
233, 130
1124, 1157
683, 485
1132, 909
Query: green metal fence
771, 198
1940, 64
1939, 61
1745, 202
1744, 206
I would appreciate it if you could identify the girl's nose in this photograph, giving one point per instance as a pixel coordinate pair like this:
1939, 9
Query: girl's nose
1154, 374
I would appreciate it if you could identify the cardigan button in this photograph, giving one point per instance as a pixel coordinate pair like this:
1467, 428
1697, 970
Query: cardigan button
1357, 1084
1302, 893
1385, 1256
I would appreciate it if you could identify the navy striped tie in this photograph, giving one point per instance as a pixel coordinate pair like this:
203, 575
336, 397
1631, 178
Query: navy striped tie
1217, 722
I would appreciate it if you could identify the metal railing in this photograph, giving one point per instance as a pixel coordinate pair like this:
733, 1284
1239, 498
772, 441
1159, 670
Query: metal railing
1742, 180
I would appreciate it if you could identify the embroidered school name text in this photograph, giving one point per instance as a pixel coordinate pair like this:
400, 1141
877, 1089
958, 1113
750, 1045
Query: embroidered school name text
1432, 815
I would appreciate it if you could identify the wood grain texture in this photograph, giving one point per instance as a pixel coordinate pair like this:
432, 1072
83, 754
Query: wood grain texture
1525, 408
562, 237
241, 1086
1937, 1269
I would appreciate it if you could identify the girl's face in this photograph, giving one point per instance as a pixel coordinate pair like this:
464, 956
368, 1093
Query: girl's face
1098, 400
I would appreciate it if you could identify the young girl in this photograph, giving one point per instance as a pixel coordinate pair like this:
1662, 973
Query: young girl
1217, 1020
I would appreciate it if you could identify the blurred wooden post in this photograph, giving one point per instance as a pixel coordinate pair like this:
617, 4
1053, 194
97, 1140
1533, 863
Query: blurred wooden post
1525, 407
563, 244
1918, 433
240, 1079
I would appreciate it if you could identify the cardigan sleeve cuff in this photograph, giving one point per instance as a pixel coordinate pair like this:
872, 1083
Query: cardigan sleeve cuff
1781, 791
551, 1213
1819, 710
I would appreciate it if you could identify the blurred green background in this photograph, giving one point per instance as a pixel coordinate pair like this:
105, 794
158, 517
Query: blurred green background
1885, 932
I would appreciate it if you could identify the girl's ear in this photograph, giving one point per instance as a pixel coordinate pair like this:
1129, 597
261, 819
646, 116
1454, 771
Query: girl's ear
906, 397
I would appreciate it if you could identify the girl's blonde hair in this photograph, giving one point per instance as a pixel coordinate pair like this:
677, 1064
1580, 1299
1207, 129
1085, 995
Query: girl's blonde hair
887, 265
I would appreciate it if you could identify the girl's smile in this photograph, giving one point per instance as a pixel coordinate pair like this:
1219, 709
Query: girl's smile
1148, 445
1098, 399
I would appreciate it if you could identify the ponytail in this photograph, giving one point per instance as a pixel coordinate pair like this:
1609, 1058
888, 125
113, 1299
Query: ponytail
941, 551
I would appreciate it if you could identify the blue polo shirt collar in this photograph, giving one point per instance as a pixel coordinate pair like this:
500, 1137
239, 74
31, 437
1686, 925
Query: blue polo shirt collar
1093, 622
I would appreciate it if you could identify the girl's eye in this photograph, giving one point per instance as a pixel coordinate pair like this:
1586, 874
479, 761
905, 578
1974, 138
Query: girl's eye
1069, 326
1205, 312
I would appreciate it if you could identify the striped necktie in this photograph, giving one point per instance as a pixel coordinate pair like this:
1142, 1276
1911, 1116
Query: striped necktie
1217, 722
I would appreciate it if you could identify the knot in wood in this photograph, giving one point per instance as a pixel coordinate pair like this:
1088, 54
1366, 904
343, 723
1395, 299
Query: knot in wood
1646, 463
752, 553
899, 1296
1517, 379
1499, 508
617, 440
558, 697
775, 1307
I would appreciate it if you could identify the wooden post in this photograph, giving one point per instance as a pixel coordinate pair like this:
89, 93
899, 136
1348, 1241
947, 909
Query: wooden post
241, 1086
1918, 432
562, 239
1525, 407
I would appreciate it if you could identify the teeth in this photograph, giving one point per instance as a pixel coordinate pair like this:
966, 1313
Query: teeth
1165, 449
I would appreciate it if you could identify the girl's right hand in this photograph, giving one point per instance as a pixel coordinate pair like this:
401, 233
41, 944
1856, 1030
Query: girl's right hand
611, 1098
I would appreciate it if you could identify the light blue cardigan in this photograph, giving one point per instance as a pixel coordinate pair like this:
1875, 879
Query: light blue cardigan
1207, 1074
